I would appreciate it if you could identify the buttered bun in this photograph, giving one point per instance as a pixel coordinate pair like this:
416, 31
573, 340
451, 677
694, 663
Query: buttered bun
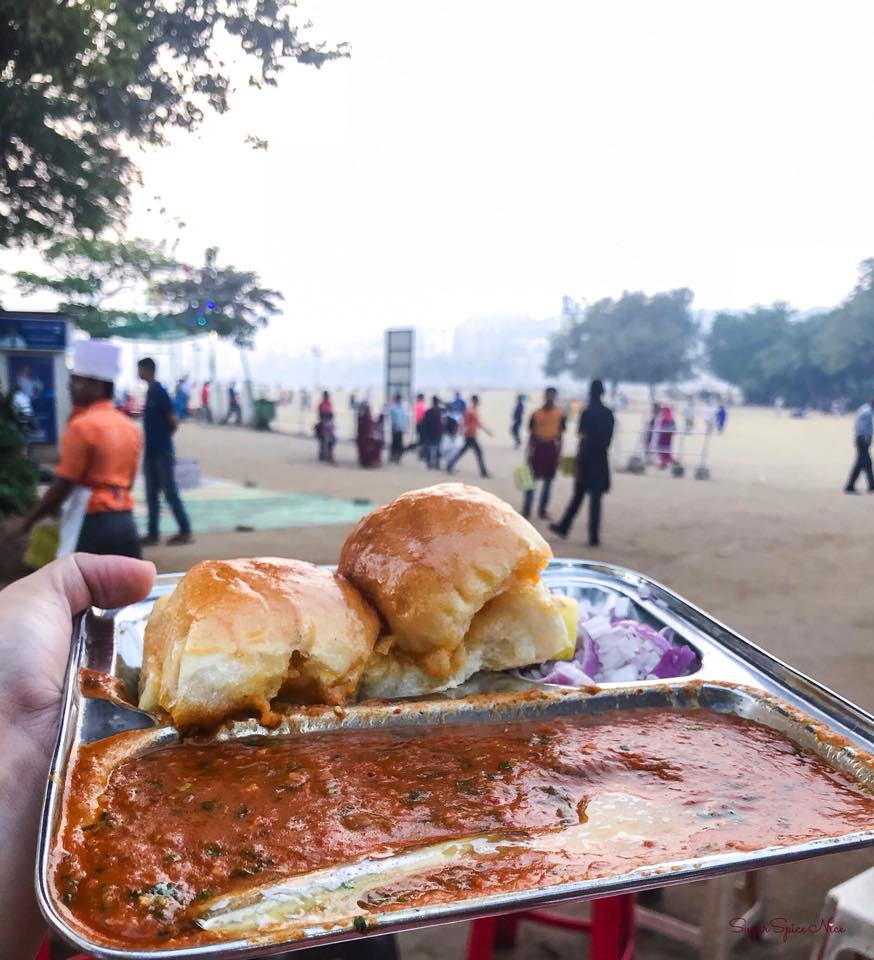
453, 571
234, 634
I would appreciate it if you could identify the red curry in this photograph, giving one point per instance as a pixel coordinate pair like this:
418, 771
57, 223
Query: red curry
184, 824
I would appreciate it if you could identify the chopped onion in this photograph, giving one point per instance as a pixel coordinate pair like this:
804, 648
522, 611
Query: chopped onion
613, 648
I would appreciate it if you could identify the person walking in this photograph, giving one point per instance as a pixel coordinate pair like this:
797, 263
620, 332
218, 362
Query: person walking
456, 407
516, 423
863, 430
367, 438
234, 408
327, 433
180, 399
397, 416
419, 409
592, 466
649, 433
545, 428
100, 451
721, 417
431, 433
325, 405
665, 429
689, 415
325, 428
472, 426
452, 440
205, 411
159, 459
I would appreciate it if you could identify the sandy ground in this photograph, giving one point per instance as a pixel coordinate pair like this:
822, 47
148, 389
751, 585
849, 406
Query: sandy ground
769, 545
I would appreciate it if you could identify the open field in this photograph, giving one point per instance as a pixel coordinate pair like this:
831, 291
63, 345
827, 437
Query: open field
769, 545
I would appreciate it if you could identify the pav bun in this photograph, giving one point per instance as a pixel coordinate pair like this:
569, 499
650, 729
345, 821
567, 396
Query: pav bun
429, 562
234, 634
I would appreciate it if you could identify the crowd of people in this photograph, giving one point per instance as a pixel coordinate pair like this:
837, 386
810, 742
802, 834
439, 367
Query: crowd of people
440, 433
660, 428
444, 432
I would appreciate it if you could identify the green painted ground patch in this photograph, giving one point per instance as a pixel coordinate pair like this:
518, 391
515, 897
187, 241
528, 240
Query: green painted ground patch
222, 505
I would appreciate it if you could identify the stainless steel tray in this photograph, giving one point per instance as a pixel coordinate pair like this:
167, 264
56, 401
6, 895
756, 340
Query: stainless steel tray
735, 676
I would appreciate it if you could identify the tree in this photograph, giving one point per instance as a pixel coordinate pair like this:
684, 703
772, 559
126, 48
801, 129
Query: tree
792, 367
846, 340
89, 276
80, 81
638, 338
222, 299
738, 342
160, 296
770, 351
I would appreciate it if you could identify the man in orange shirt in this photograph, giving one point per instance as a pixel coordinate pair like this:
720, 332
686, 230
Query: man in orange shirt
472, 424
544, 448
100, 450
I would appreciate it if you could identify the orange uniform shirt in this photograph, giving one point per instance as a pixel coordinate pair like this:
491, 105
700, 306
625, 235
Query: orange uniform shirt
100, 448
547, 424
471, 423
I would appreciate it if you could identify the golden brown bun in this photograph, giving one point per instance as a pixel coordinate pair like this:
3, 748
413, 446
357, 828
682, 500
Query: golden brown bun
521, 626
236, 633
429, 561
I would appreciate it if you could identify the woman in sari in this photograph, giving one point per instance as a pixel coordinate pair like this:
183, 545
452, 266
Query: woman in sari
369, 447
664, 437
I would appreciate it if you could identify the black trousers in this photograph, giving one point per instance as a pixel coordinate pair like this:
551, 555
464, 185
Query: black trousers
111, 531
580, 491
235, 411
470, 443
397, 445
862, 464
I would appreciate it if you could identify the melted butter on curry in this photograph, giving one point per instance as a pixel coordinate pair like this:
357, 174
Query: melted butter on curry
197, 842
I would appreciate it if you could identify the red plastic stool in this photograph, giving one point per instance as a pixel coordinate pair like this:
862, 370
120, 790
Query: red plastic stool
45, 953
611, 929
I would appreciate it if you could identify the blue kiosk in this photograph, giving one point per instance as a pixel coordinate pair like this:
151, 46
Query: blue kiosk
33, 367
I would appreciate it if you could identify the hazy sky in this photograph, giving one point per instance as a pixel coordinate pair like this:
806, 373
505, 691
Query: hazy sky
476, 157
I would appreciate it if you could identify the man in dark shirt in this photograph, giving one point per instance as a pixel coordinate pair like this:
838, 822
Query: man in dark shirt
431, 433
159, 459
593, 466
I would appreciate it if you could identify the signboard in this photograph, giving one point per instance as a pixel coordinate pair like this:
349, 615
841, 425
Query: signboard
32, 380
32, 331
399, 363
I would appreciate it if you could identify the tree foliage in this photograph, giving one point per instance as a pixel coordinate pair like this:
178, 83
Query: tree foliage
846, 341
770, 352
80, 81
133, 288
222, 299
637, 338
91, 277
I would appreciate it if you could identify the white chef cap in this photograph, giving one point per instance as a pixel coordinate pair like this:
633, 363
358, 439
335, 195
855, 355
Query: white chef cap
99, 359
